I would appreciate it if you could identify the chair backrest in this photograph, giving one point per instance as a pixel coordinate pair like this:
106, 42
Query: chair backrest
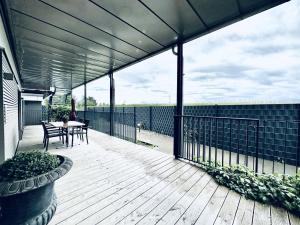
86, 123
44, 126
48, 125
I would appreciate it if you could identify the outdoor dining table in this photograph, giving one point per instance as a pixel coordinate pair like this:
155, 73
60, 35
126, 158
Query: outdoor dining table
70, 124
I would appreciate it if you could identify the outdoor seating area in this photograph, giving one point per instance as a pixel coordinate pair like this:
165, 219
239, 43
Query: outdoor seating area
64, 130
114, 181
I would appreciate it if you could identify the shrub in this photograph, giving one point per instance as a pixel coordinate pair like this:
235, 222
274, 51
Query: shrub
279, 190
26, 165
60, 112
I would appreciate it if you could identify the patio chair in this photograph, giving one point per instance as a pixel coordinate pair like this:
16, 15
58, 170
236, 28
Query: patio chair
51, 132
49, 127
78, 128
83, 130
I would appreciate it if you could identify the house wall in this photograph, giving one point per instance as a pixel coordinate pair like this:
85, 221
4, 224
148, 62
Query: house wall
9, 116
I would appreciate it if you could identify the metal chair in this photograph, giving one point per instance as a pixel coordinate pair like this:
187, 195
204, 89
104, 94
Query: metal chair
51, 132
83, 130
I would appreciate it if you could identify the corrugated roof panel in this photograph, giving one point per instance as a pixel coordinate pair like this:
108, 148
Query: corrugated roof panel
96, 16
57, 38
52, 31
60, 20
39, 38
137, 15
178, 14
215, 12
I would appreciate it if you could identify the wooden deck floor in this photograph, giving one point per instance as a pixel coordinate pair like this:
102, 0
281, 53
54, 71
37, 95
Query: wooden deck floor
117, 182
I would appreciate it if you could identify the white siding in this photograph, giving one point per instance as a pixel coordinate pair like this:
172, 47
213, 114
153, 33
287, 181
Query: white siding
5, 44
9, 95
11, 126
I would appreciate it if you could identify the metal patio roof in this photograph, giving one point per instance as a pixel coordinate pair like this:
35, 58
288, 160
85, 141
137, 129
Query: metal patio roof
58, 41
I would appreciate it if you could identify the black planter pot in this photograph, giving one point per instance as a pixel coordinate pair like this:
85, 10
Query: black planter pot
31, 201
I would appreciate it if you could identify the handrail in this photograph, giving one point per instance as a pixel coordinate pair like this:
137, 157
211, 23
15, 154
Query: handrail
216, 117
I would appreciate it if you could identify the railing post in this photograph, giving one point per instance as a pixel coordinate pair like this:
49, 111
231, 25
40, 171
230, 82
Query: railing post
112, 103
94, 119
151, 117
85, 106
178, 122
134, 121
257, 143
298, 147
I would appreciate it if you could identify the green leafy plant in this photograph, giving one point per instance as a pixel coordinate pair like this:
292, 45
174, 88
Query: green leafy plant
60, 112
279, 190
26, 165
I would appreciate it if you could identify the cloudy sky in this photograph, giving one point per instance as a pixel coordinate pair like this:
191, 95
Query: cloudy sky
256, 60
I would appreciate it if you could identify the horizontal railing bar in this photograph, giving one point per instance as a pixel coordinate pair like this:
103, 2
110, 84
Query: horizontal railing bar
215, 117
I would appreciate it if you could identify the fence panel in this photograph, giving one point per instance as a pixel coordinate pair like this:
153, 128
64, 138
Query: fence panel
124, 122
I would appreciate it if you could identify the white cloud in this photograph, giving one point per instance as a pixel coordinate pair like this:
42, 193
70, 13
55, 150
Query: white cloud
257, 59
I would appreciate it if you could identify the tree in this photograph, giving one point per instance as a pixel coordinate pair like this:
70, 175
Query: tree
90, 102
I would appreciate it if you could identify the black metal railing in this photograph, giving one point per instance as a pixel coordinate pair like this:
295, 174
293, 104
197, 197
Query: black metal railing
124, 123
265, 147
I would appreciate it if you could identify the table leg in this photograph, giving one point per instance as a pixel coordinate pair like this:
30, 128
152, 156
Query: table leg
67, 137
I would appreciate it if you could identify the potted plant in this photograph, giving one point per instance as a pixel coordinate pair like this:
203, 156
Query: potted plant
27, 187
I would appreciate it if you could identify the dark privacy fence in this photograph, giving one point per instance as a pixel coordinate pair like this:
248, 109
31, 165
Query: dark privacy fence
124, 122
160, 118
277, 134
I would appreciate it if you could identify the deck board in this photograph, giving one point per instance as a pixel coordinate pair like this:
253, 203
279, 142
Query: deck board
212, 209
123, 200
244, 212
279, 216
115, 217
146, 208
294, 220
191, 215
228, 210
117, 182
154, 216
261, 214
181, 206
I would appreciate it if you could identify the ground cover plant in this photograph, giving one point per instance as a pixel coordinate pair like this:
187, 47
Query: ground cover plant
276, 189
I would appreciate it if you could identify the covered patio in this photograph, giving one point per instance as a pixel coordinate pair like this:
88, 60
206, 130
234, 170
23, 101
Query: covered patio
51, 47
118, 182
